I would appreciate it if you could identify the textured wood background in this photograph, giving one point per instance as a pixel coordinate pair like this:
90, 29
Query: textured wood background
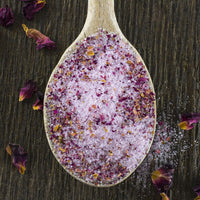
167, 35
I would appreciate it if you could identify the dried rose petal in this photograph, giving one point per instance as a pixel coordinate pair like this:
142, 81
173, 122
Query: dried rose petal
19, 157
41, 40
162, 178
39, 102
28, 90
188, 120
32, 7
6, 16
164, 196
197, 191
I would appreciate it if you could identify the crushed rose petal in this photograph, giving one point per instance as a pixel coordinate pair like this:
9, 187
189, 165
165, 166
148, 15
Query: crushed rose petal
162, 179
28, 90
19, 157
41, 39
188, 120
39, 102
6, 16
32, 7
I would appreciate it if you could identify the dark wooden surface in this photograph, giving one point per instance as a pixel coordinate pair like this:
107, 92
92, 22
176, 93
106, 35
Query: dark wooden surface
167, 35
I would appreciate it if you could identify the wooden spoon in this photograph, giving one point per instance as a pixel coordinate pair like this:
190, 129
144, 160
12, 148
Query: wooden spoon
100, 15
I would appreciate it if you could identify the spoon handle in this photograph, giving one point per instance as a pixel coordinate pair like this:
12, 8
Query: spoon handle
101, 14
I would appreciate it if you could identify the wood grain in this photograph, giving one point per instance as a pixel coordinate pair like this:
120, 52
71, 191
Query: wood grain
167, 35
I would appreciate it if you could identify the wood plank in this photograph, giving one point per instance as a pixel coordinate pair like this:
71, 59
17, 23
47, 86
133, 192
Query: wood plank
167, 35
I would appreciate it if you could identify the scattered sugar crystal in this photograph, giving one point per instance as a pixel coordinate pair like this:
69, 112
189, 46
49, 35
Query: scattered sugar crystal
164, 150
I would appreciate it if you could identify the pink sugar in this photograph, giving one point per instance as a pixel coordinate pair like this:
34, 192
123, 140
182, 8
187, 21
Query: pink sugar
101, 110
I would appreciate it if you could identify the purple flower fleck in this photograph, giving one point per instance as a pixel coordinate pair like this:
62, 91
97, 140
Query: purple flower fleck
19, 157
32, 7
28, 90
6, 16
197, 191
162, 178
188, 120
39, 102
40, 39
141, 81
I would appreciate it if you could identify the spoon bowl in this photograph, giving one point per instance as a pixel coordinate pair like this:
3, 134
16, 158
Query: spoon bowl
99, 104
